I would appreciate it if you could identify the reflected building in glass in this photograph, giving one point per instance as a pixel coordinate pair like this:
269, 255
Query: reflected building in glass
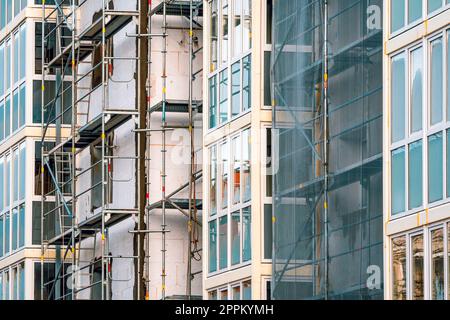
327, 143
416, 149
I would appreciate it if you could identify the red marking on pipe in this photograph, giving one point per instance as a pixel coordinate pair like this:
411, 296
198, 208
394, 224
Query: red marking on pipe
148, 98
163, 189
147, 195
109, 167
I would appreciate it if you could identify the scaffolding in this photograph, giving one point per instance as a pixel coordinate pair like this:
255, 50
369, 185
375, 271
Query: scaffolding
68, 129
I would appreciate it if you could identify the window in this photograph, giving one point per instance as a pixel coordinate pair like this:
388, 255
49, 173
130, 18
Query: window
212, 246
416, 86
213, 102
398, 99
214, 33
236, 292
230, 217
223, 245
433, 5
246, 84
237, 27
417, 267
235, 237
212, 295
398, 181
436, 81
246, 165
437, 264
224, 31
223, 96
448, 260
50, 92
415, 175
235, 89
246, 234
224, 169
414, 10
247, 290
268, 231
213, 181
435, 167
223, 294
397, 14
399, 268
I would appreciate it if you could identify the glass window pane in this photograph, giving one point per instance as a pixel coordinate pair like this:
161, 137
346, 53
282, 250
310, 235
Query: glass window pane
415, 175
214, 33
399, 268
224, 31
22, 103
417, 267
246, 83
235, 89
224, 175
247, 36
223, 238
398, 99
434, 5
213, 102
212, 246
246, 165
8, 180
398, 181
435, 167
213, 181
8, 64
448, 73
2, 121
397, 14
237, 27
436, 82
235, 237
414, 10
7, 117
223, 96
21, 282
21, 226
268, 239
2, 225
437, 264
224, 295
23, 41
15, 183
16, 58
15, 113
448, 163
2, 68
246, 234
247, 290
416, 89
7, 233
212, 295
448, 259
2, 175
236, 293
14, 228
236, 149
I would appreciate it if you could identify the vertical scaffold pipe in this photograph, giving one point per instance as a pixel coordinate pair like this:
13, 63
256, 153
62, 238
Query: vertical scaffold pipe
325, 134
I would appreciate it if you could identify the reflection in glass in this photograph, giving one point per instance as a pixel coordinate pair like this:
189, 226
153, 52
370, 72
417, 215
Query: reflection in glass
435, 167
213, 181
236, 147
398, 99
398, 180
214, 33
246, 234
235, 89
212, 246
415, 175
224, 175
224, 31
399, 268
414, 10
223, 238
417, 267
235, 237
223, 96
436, 82
397, 14
246, 165
416, 90
437, 264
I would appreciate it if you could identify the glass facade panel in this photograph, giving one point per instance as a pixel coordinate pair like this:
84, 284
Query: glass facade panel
246, 165
214, 33
236, 163
415, 181
398, 103
398, 181
246, 83
416, 85
235, 237
397, 14
213, 181
436, 82
433, 5
235, 89
435, 167
417, 267
212, 102
224, 31
223, 242
212, 252
224, 169
223, 96
437, 264
246, 234
399, 268
354, 206
414, 10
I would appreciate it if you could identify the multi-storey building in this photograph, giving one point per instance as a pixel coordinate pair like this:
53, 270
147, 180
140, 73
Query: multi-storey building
416, 149
327, 89
236, 139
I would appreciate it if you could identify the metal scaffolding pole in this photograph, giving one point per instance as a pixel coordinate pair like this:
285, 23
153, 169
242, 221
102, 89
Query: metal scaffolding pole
326, 140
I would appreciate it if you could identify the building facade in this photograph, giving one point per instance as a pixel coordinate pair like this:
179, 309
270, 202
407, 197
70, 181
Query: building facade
327, 133
236, 141
416, 150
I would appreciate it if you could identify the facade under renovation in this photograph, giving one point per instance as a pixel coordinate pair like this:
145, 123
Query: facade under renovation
327, 87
